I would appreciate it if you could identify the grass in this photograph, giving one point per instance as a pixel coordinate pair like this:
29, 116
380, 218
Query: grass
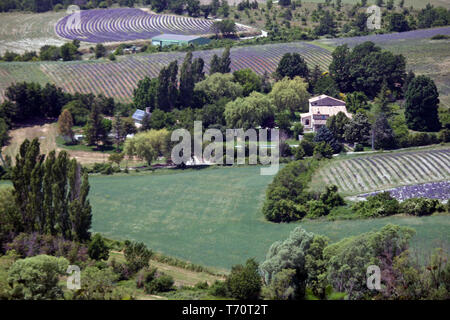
213, 216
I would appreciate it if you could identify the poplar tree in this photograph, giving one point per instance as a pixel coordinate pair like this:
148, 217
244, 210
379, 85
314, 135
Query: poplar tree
225, 62
186, 81
215, 64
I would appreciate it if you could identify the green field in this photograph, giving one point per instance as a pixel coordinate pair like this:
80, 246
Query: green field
213, 216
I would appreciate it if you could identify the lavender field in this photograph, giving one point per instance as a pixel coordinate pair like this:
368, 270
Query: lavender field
118, 79
124, 24
372, 173
389, 38
434, 190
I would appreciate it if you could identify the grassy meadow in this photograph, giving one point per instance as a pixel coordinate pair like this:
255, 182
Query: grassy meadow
213, 216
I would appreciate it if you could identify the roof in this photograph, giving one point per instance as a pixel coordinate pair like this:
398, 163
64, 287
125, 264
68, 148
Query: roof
330, 111
174, 37
138, 115
324, 100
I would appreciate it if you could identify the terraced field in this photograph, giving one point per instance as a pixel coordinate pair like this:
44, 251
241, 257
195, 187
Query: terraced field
124, 24
383, 171
118, 79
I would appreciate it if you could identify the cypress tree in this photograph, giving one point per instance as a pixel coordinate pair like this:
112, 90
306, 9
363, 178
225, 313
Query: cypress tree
47, 189
163, 93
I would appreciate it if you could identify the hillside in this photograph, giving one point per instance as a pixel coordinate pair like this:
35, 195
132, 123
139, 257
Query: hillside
118, 79
381, 171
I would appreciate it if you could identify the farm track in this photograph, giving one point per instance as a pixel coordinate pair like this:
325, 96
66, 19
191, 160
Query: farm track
378, 172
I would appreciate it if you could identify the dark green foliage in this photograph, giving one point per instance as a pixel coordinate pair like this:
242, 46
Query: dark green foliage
331, 198
144, 96
397, 22
327, 25
337, 125
379, 205
288, 254
307, 146
163, 283
186, 82
348, 259
218, 289
214, 65
325, 84
244, 282
287, 191
292, 65
358, 129
137, 255
145, 277
326, 135
249, 80
100, 51
356, 101
420, 206
365, 68
421, 106
383, 135
97, 249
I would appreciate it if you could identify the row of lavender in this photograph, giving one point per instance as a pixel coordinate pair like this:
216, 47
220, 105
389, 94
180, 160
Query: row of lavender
390, 37
118, 79
434, 190
123, 24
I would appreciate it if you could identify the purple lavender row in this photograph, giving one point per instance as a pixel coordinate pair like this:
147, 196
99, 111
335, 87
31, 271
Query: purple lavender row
122, 24
433, 190
385, 38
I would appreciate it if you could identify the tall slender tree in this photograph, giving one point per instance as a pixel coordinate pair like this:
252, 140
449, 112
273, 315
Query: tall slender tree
186, 81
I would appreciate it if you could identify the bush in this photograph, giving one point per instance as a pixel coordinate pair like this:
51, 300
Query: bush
201, 285
218, 289
358, 147
36, 278
420, 206
137, 255
299, 153
323, 150
145, 276
97, 249
308, 147
444, 135
316, 208
162, 284
379, 205
244, 282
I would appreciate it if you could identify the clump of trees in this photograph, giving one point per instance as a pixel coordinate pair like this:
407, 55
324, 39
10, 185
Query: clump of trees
287, 198
50, 196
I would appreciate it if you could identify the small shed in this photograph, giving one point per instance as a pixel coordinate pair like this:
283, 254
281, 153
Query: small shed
166, 39
138, 116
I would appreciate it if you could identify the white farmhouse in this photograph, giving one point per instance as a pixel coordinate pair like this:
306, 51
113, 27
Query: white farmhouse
320, 109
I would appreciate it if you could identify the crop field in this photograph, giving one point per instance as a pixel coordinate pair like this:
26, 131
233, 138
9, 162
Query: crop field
118, 79
213, 216
124, 24
382, 171
28, 31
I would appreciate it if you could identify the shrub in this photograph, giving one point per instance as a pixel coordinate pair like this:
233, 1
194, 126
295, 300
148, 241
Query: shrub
33, 244
145, 276
323, 150
381, 204
97, 249
316, 208
137, 255
308, 147
201, 285
420, 206
36, 278
163, 283
244, 282
218, 289
299, 153
444, 135
358, 147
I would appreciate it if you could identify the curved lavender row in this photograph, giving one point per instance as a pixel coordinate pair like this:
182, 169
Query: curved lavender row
434, 190
383, 38
123, 24
118, 79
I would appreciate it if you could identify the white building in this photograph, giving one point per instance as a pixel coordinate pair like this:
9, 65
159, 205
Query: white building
320, 109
